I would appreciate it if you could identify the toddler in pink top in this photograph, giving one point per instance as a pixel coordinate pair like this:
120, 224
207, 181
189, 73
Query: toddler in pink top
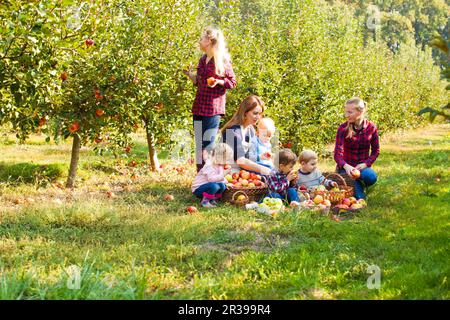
210, 183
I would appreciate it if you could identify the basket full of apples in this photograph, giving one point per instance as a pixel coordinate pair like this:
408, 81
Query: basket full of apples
318, 203
349, 205
244, 186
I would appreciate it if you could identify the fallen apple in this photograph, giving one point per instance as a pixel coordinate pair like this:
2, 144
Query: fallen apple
89, 42
63, 76
169, 197
191, 209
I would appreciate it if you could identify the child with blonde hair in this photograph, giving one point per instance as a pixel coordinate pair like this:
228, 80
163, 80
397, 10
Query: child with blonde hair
260, 145
210, 182
309, 175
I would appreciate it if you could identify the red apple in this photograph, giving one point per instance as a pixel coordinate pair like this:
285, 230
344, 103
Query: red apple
127, 149
99, 112
226, 167
132, 163
63, 76
98, 139
191, 209
347, 202
235, 176
89, 42
42, 121
244, 174
356, 173
169, 197
74, 127
211, 81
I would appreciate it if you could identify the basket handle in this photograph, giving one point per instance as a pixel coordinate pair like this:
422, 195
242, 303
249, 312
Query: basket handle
237, 192
337, 175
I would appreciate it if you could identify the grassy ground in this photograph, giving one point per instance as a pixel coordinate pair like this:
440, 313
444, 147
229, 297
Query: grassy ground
131, 244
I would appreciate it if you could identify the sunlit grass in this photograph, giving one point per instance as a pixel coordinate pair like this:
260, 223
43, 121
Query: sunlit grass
135, 245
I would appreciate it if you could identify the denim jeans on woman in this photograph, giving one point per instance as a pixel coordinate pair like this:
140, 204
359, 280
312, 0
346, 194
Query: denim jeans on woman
202, 125
368, 177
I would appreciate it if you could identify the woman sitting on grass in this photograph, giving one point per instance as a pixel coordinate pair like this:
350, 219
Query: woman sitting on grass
355, 138
240, 131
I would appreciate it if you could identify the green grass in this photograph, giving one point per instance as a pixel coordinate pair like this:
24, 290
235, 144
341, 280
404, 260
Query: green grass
137, 246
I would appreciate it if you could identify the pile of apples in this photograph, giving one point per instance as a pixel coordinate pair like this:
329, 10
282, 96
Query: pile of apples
244, 179
318, 203
352, 204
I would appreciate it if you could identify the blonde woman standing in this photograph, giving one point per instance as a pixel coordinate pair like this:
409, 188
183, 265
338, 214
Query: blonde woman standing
213, 78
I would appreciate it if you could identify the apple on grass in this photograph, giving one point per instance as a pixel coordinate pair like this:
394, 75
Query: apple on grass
191, 209
169, 197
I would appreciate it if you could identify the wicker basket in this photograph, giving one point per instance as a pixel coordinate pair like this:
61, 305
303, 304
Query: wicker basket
335, 197
344, 183
251, 193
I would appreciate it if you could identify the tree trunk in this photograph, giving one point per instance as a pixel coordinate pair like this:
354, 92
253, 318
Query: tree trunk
76, 146
154, 163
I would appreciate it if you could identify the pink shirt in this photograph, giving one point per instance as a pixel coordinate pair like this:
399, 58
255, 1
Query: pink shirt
209, 173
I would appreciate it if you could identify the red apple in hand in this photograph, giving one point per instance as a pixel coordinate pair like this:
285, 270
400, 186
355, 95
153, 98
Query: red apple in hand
211, 81
191, 209
356, 173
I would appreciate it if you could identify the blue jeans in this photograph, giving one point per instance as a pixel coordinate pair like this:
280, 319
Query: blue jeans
291, 195
211, 188
368, 177
205, 132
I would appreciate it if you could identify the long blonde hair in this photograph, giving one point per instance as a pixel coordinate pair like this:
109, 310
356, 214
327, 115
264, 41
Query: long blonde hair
247, 105
221, 55
360, 105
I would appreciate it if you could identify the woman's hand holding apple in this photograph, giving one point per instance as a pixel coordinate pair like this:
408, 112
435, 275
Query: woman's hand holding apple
348, 169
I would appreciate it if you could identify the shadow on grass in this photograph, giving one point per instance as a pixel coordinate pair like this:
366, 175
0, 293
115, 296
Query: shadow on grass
30, 173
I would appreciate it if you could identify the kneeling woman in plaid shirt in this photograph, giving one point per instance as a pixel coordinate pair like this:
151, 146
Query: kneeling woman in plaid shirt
280, 178
357, 146
213, 78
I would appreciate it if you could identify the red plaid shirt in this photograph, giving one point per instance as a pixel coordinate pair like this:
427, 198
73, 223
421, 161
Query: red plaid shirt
211, 101
356, 150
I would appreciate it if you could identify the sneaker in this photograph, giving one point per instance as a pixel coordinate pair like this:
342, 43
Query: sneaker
206, 203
